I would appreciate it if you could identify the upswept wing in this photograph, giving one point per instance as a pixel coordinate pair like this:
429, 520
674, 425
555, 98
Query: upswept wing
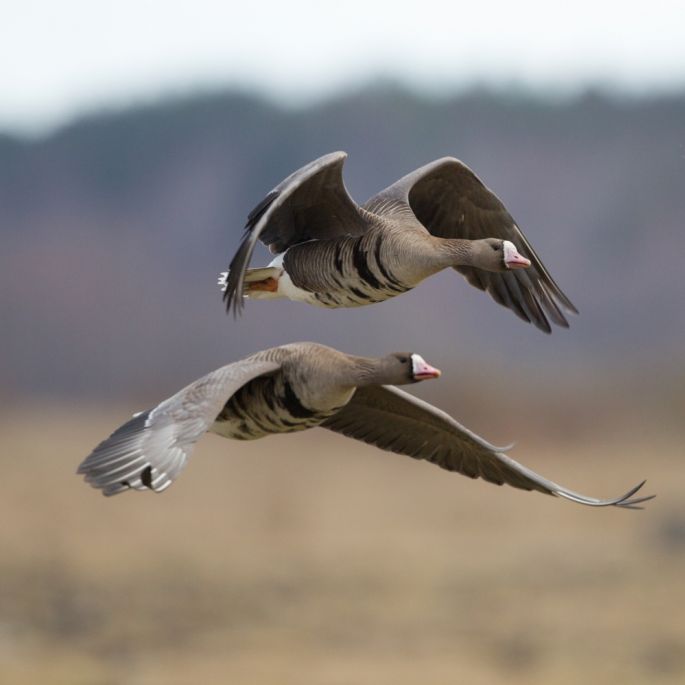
394, 420
150, 450
452, 202
312, 203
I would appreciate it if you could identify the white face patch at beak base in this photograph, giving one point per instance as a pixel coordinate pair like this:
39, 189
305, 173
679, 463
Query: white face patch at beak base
512, 258
421, 369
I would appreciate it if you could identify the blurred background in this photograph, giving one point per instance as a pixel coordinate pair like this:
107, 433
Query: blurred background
134, 140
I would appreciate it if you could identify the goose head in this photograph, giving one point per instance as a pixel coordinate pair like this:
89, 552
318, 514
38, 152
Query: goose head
493, 254
402, 368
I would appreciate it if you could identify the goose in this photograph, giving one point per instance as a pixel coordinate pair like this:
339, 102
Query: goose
333, 253
299, 386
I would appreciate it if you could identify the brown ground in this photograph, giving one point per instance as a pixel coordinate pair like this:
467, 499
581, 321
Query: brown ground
310, 559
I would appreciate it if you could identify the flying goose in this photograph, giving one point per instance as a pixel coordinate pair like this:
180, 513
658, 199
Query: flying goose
333, 253
299, 386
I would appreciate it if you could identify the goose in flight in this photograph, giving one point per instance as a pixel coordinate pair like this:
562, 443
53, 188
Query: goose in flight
299, 386
333, 253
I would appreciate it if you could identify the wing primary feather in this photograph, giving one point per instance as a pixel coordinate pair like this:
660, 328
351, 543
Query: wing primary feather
547, 279
310, 204
518, 296
625, 501
256, 214
425, 432
450, 201
550, 305
509, 300
233, 294
150, 450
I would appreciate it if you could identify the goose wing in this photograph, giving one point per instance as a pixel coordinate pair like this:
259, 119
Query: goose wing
150, 450
394, 420
452, 202
311, 204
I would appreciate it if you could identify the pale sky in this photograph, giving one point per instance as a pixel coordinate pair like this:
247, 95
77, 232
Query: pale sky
59, 58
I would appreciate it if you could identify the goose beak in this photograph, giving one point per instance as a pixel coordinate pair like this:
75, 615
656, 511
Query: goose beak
421, 370
512, 258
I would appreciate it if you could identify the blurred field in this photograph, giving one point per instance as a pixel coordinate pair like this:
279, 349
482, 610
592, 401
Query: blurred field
310, 559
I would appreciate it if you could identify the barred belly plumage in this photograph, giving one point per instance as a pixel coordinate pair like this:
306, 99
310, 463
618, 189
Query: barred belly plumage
350, 272
264, 406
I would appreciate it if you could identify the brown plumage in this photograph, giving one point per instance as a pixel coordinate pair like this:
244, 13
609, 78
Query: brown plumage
300, 386
335, 253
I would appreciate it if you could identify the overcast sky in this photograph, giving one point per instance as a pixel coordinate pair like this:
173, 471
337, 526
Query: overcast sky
61, 57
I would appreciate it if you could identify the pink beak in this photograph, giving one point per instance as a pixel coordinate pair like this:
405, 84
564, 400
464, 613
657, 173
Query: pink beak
422, 370
512, 258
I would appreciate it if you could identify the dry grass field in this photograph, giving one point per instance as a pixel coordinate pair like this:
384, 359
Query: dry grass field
310, 560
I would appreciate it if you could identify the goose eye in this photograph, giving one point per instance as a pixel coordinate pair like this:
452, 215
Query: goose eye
495, 248
403, 360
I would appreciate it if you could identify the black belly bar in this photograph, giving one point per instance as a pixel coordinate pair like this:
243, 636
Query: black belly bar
266, 406
350, 272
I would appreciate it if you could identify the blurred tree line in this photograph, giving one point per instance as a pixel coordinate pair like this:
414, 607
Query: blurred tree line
113, 229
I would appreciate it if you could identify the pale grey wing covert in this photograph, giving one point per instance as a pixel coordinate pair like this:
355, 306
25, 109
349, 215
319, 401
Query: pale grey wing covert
394, 420
311, 204
150, 450
452, 202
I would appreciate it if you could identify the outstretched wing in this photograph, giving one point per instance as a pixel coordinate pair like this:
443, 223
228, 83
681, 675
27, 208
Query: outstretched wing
150, 450
452, 202
394, 420
310, 204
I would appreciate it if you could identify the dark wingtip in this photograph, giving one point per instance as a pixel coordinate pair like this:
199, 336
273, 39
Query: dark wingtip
233, 291
256, 214
233, 294
570, 307
235, 307
626, 501
234, 304
541, 323
630, 502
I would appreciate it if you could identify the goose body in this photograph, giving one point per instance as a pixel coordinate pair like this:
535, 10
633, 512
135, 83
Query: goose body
280, 402
332, 252
348, 271
301, 386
